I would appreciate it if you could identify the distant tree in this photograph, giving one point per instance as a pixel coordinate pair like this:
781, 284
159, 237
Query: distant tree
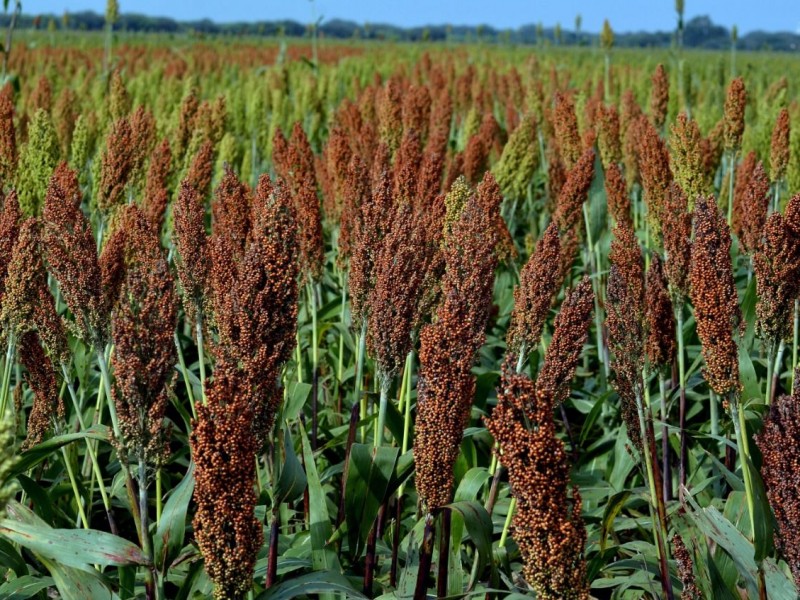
539, 34
426, 35
65, 20
578, 23
557, 34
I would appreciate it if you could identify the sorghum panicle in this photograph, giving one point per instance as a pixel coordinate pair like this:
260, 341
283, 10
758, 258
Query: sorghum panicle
231, 211
677, 234
8, 135
625, 324
776, 263
534, 295
223, 446
295, 166
619, 203
779, 148
191, 245
744, 174
255, 300
40, 376
735, 103
685, 570
566, 128
393, 300
447, 351
143, 325
10, 219
570, 330
659, 97
547, 523
655, 173
407, 161
687, 158
116, 167
200, 171
28, 304
608, 138
714, 298
753, 210
156, 191
659, 317
71, 253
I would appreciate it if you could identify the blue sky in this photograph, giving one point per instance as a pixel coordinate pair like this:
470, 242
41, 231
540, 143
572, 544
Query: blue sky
625, 15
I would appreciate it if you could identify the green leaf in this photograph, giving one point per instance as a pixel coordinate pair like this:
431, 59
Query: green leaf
39, 499
24, 587
471, 484
168, 540
32, 457
592, 417
749, 301
296, 398
320, 582
11, 559
77, 548
369, 473
479, 526
612, 509
322, 555
778, 584
747, 375
763, 519
719, 529
719, 589
292, 481
76, 584
623, 463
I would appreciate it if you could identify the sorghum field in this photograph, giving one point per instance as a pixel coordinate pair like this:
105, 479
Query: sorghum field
398, 321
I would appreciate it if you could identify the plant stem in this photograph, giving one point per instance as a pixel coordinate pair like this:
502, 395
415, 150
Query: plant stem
74, 484
444, 553
659, 524
731, 175
272, 556
385, 384
159, 501
89, 449
684, 457
123, 462
149, 580
512, 506
360, 359
312, 307
185, 372
351, 438
770, 365
594, 269
714, 408
743, 447
666, 471
776, 372
10, 350
425, 559
298, 356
